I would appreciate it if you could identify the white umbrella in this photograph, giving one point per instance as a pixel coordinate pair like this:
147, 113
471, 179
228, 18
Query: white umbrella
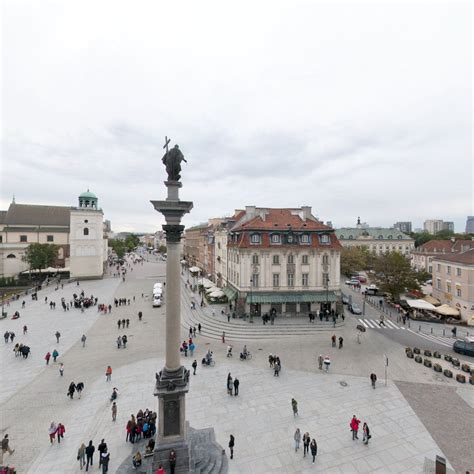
217, 294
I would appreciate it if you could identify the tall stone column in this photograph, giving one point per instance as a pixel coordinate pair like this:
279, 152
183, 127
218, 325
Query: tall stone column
172, 383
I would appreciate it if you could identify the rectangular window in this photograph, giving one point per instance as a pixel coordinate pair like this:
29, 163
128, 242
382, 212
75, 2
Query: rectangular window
304, 279
255, 259
324, 239
276, 279
304, 260
438, 283
325, 259
49, 238
305, 239
448, 270
438, 267
458, 272
325, 279
458, 292
255, 238
275, 239
23, 238
276, 260
291, 259
291, 279
1, 239
255, 280
448, 287
430, 269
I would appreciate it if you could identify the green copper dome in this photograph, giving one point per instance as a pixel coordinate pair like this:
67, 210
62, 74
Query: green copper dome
88, 195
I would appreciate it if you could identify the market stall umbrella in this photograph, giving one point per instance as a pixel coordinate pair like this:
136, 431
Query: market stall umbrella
421, 304
432, 300
446, 310
217, 294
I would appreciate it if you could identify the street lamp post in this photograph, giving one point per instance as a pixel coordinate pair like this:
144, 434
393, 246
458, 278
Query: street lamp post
327, 296
250, 305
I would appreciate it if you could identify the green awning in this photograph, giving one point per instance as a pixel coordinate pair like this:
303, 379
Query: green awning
292, 297
230, 293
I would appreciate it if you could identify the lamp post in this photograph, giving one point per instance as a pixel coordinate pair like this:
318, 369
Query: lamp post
327, 295
250, 306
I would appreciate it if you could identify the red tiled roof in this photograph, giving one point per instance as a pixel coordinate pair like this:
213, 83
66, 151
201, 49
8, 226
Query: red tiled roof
466, 257
280, 219
435, 247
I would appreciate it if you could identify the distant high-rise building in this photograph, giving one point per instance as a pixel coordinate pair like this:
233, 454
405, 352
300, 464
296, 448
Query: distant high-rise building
433, 226
404, 227
448, 226
470, 225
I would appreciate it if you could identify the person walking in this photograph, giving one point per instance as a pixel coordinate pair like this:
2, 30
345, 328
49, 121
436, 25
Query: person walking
71, 390
231, 446
297, 438
114, 411
52, 431
119, 342
333, 340
83, 340
58, 335
124, 341
194, 366
306, 441
367, 435
108, 374
47, 357
236, 386
90, 455
104, 459
80, 388
61, 369
199, 328
354, 425
119, 323
5, 448
55, 355
230, 384
61, 430
81, 455
172, 461
294, 406
140, 314
223, 337
314, 449
25, 330
101, 448
327, 363
373, 379
341, 342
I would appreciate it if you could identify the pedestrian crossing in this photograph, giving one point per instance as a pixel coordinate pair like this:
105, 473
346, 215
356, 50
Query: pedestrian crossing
375, 324
443, 340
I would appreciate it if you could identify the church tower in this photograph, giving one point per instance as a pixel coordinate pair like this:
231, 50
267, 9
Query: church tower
88, 248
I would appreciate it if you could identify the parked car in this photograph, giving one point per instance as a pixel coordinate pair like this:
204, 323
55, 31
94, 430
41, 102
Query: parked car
345, 300
156, 302
353, 281
354, 309
462, 347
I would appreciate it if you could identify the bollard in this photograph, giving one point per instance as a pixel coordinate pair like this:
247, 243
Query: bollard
431, 330
419, 328
444, 332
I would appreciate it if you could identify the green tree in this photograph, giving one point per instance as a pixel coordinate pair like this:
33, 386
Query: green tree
162, 249
131, 242
355, 259
394, 275
421, 237
118, 246
40, 256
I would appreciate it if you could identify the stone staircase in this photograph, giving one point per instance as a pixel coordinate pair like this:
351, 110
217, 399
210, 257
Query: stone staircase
243, 330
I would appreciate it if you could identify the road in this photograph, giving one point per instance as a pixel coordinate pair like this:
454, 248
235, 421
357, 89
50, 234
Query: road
414, 334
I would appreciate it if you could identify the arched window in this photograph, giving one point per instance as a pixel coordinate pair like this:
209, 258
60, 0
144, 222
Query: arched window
11, 255
86, 231
380, 236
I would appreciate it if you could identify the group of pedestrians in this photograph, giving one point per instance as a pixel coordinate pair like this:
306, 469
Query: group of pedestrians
324, 361
56, 430
123, 323
122, 341
232, 385
275, 364
308, 444
8, 336
354, 425
143, 425
85, 455
187, 346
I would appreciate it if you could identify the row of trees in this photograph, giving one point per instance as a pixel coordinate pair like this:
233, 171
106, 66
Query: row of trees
120, 247
421, 238
391, 272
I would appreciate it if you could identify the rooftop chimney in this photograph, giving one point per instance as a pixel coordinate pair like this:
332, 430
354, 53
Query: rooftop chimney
306, 212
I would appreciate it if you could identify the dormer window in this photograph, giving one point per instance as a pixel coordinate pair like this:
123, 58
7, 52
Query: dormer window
390, 237
276, 239
255, 239
380, 236
351, 237
399, 237
305, 239
290, 239
324, 239
341, 237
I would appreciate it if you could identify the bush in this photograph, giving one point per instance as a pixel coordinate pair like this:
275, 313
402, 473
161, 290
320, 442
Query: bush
461, 378
466, 368
408, 349
427, 363
447, 357
410, 355
427, 353
437, 355
455, 362
437, 368
416, 350
448, 373
418, 359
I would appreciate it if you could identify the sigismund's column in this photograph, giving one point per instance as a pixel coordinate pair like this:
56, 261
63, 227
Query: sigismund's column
172, 383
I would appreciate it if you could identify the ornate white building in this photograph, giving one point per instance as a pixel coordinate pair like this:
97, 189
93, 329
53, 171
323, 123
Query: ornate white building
282, 260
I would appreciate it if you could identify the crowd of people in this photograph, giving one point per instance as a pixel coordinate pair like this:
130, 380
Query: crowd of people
141, 425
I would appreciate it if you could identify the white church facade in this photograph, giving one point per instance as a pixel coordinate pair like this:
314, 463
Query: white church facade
77, 231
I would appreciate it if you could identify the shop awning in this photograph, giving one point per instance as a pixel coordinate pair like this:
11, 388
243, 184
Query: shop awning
446, 310
420, 304
292, 297
230, 293
432, 300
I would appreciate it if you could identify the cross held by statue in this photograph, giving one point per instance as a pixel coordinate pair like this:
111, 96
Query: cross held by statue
167, 140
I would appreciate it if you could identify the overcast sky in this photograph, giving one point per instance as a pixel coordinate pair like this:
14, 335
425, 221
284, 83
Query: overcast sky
361, 109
